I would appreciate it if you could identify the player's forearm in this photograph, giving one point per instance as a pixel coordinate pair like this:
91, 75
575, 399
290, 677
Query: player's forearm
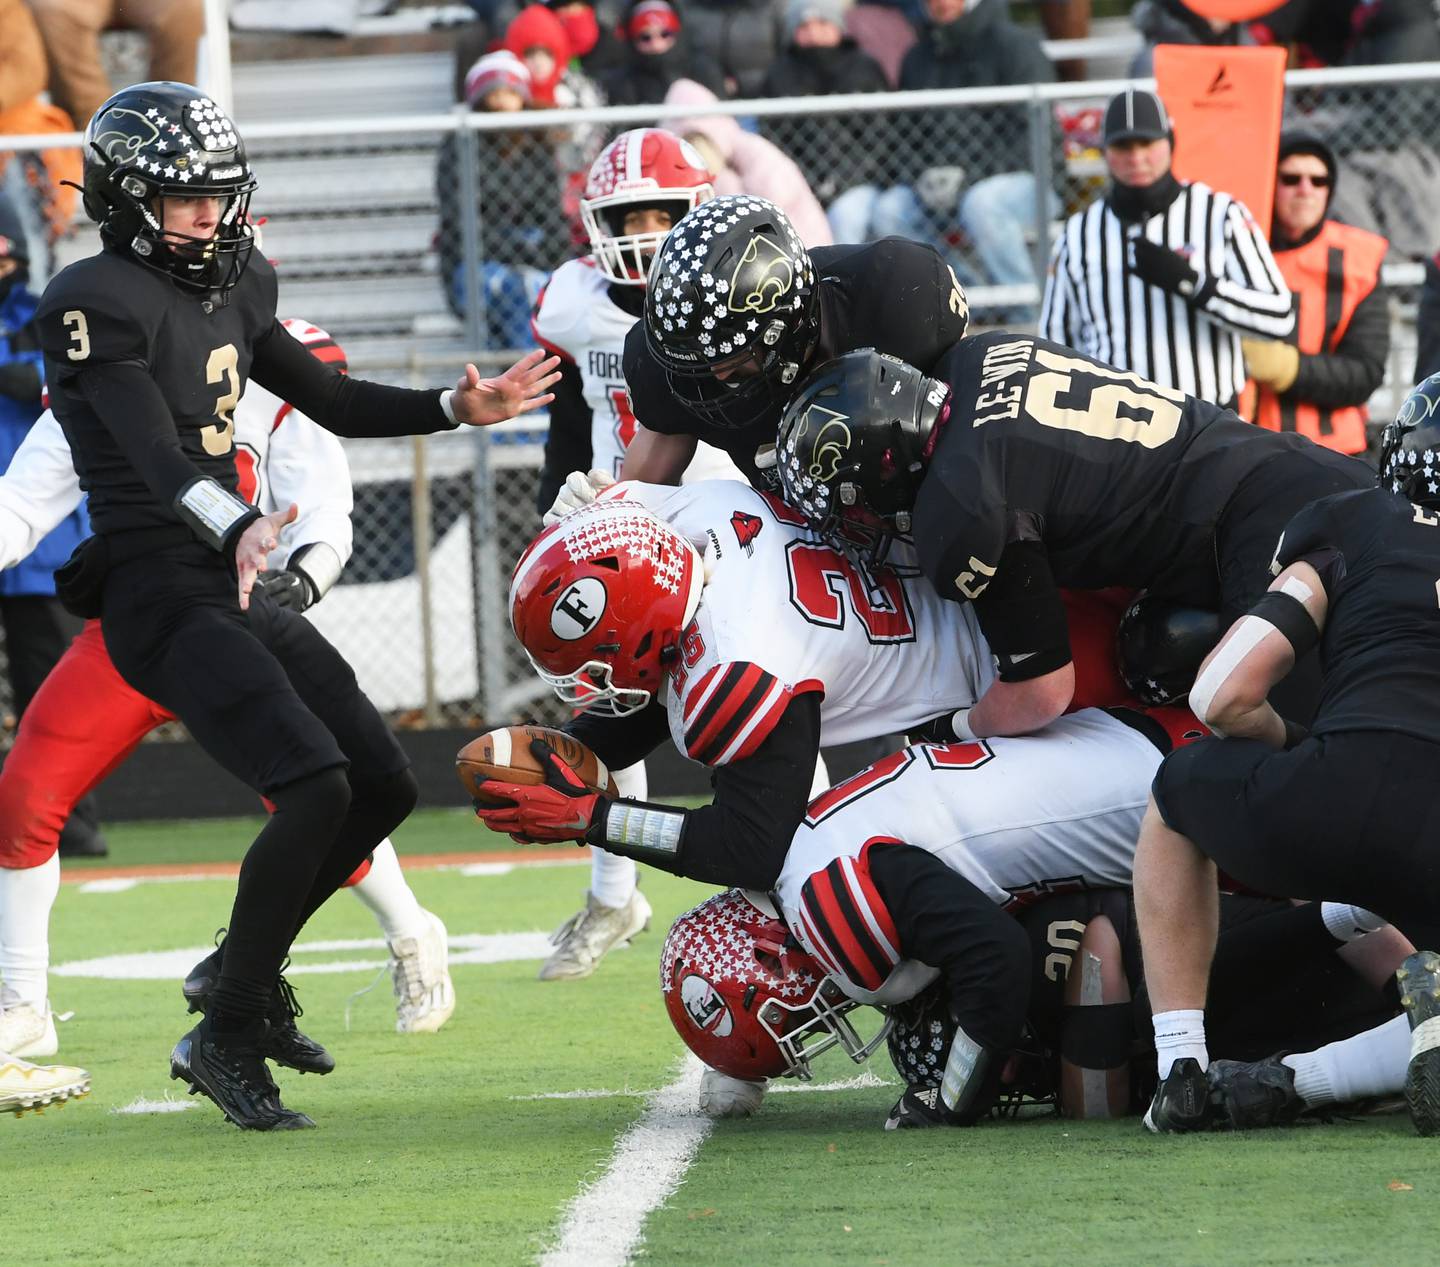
1018, 708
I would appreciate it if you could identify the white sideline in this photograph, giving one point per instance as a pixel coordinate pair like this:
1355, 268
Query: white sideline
603, 1225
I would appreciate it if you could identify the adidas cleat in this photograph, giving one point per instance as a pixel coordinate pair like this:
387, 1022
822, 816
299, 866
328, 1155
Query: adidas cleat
919, 1107
229, 1069
420, 974
1182, 1100
588, 936
1419, 981
24, 1086
1245, 1096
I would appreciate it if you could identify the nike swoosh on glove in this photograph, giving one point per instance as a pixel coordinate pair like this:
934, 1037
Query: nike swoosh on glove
561, 808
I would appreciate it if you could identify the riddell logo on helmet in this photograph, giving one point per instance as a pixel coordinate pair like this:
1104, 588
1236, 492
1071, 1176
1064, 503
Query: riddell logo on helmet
226, 173
578, 610
768, 283
705, 1007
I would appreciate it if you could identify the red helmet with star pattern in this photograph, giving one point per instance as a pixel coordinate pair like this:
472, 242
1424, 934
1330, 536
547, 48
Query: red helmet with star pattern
746, 998
599, 602
641, 168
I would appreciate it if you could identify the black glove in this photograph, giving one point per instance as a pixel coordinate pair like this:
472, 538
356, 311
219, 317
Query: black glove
286, 589
1160, 266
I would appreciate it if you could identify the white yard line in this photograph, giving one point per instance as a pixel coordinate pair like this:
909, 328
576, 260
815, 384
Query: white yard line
141, 1105
861, 1082
603, 1225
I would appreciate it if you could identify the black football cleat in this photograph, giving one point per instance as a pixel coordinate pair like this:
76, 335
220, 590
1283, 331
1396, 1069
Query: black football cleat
919, 1107
230, 1070
285, 1044
1419, 981
1182, 1100
1246, 1096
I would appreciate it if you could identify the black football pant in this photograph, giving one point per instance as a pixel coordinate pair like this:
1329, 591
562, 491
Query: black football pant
275, 704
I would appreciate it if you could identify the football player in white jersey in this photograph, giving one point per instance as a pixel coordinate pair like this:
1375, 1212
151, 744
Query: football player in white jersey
86, 719
638, 187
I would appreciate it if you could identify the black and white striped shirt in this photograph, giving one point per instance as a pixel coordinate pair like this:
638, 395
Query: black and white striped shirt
1096, 304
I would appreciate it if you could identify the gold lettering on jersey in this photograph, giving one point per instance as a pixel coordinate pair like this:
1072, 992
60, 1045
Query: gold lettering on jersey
999, 402
1112, 405
79, 329
222, 367
969, 582
1430, 521
768, 281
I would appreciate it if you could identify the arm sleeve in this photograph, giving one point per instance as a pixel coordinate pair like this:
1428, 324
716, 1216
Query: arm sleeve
1350, 374
945, 921
567, 442
1022, 615
306, 465
621, 741
1251, 296
347, 406
1314, 535
1427, 324
38, 490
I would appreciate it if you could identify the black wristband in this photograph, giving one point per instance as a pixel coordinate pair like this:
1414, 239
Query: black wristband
649, 833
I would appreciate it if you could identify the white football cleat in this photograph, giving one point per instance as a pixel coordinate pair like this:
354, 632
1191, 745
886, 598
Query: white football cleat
724, 1096
25, 1086
424, 994
589, 935
26, 1030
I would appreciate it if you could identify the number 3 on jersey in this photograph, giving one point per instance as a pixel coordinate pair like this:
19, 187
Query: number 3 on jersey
222, 367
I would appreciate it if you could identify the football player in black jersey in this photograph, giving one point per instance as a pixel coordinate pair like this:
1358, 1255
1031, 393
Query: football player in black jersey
1021, 467
738, 310
1347, 811
148, 346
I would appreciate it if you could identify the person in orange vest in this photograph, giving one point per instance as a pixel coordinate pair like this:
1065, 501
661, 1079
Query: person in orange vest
1318, 384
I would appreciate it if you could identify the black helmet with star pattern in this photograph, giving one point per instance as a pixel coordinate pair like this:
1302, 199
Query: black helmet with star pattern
1410, 446
732, 289
169, 139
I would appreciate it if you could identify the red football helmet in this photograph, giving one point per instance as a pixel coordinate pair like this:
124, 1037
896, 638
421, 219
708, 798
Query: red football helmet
645, 167
599, 601
319, 343
746, 998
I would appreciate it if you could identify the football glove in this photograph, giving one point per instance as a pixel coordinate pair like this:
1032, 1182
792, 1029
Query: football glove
286, 589
579, 489
1169, 270
562, 808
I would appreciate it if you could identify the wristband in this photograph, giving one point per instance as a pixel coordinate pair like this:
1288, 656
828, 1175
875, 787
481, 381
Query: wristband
213, 513
319, 563
960, 724
447, 408
648, 833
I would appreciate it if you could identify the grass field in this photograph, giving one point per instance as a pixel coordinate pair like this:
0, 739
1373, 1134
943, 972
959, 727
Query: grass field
456, 1148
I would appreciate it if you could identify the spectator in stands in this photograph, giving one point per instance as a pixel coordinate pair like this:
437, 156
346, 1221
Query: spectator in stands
965, 160
592, 43
661, 51
744, 163
843, 156
745, 36
521, 228
1319, 383
1173, 22
71, 31
1352, 32
37, 627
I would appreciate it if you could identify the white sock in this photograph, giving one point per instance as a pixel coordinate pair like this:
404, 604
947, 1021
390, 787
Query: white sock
1349, 923
612, 878
26, 896
387, 895
1177, 1035
1372, 1063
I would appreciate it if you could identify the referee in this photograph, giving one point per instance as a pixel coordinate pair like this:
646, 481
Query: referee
1163, 276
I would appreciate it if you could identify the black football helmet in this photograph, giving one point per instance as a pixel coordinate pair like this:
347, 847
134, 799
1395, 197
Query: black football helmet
731, 286
850, 449
157, 139
1410, 446
1161, 645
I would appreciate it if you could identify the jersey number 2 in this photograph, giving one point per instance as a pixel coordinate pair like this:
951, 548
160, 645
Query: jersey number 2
822, 579
222, 367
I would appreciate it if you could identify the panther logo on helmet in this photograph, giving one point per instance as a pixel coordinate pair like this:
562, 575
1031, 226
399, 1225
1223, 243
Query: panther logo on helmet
832, 443
121, 141
776, 276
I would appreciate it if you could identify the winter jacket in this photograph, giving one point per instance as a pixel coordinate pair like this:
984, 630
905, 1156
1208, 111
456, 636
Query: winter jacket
22, 55
1170, 22
643, 79
753, 165
19, 346
835, 151
982, 48
744, 36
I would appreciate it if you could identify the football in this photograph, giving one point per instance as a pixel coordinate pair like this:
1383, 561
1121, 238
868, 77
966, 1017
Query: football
505, 754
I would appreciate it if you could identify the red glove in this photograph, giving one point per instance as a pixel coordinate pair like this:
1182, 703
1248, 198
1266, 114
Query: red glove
561, 808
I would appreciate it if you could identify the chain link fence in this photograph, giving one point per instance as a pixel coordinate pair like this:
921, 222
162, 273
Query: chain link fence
420, 242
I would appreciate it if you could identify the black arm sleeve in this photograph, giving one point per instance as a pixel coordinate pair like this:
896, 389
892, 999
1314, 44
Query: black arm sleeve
621, 741
945, 921
1350, 374
567, 443
129, 402
1427, 324
347, 406
742, 837
1022, 614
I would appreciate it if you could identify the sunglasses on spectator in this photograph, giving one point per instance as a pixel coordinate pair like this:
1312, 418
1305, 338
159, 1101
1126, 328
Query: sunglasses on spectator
654, 36
1291, 179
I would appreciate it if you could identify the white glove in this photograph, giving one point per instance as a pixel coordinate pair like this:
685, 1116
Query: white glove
724, 1096
579, 489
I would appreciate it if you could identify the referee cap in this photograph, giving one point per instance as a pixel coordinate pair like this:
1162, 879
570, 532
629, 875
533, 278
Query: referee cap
1136, 115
